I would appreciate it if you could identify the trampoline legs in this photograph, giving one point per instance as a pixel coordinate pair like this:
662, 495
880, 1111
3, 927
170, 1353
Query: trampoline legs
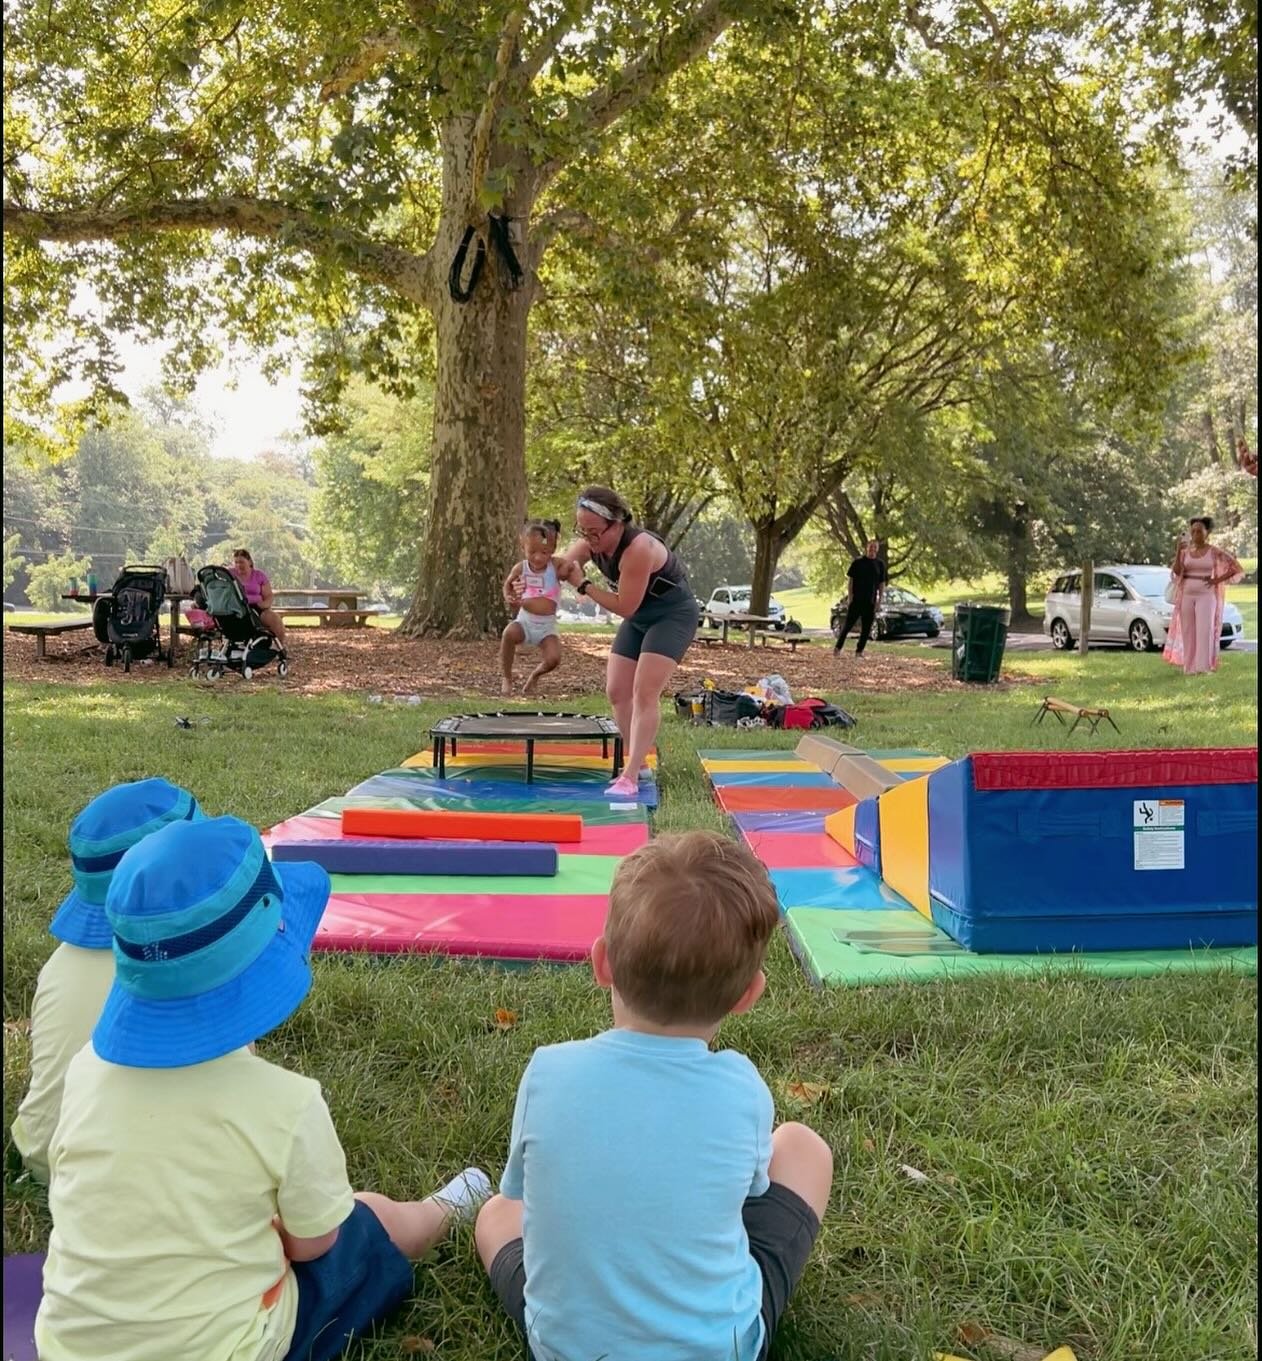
617, 757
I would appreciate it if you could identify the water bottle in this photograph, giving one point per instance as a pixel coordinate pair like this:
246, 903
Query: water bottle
91, 585
74, 586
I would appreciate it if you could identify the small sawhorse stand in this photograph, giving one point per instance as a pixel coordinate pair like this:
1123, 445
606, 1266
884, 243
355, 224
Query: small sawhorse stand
1092, 717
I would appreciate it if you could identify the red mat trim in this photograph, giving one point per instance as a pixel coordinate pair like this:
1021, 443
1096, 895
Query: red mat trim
999, 770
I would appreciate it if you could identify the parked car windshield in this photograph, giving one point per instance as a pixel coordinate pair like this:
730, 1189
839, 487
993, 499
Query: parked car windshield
1151, 582
898, 596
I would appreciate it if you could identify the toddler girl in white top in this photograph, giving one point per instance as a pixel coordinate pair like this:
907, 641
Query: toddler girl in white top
535, 588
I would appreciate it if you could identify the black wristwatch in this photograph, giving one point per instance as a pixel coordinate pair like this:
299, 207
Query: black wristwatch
583, 586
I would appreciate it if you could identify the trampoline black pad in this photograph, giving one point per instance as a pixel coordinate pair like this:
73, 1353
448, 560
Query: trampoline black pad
539, 727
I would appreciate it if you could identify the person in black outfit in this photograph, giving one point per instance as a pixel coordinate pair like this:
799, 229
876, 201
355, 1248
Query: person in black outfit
867, 580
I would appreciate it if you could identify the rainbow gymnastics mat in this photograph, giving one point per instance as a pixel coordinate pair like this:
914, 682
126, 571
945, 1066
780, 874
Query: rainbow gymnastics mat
504, 917
848, 928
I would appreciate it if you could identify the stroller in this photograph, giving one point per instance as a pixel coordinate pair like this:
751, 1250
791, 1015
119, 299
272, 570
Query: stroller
240, 642
126, 620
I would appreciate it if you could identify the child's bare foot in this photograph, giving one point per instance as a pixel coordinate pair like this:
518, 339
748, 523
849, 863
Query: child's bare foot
529, 688
506, 687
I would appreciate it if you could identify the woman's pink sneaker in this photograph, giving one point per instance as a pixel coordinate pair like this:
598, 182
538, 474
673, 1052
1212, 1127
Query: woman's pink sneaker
624, 787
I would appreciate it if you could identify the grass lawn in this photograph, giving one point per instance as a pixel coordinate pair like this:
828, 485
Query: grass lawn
1090, 1146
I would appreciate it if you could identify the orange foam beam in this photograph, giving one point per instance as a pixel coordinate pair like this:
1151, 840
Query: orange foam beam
461, 826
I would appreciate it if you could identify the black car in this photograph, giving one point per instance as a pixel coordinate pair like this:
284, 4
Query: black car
902, 615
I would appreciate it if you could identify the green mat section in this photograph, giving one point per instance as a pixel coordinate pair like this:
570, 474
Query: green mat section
576, 874
741, 754
856, 949
593, 814
566, 775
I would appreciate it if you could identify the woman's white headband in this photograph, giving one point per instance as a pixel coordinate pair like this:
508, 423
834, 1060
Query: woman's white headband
598, 508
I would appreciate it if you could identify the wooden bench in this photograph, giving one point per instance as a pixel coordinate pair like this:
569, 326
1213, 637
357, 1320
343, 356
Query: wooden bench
1061, 708
335, 618
707, 639
42, 632
792, 641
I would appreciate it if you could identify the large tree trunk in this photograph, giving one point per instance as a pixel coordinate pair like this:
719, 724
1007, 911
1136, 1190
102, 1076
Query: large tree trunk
1018, 567
478, 468
1088, 599
768, 545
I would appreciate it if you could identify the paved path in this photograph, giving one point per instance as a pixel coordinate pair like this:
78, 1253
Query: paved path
1039, 642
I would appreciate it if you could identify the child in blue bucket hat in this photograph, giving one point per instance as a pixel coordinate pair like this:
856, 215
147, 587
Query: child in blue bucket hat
199, 1194
74, 982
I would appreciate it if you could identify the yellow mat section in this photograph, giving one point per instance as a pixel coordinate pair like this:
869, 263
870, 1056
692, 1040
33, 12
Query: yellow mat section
904, 817
915, 764
472, 757
757, 767
840, 826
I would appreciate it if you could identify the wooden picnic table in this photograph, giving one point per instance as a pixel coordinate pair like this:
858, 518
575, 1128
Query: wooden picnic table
753, 622
341, 610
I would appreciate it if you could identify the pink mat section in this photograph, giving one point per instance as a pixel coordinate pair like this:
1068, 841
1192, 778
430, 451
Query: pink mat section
798, 850
486, 925
617, 839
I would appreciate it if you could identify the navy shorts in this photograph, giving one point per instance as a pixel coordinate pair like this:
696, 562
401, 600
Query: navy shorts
782, 1229
361, 1279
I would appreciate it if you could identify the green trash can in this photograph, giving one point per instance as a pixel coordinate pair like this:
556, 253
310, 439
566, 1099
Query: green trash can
978, 636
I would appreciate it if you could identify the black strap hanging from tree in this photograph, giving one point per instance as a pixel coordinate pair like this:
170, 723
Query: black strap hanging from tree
502, 241
457, 267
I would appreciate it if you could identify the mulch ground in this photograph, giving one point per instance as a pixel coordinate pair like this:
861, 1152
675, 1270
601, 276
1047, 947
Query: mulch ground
373, 661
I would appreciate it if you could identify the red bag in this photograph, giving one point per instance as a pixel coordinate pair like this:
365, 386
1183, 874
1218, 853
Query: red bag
798, 715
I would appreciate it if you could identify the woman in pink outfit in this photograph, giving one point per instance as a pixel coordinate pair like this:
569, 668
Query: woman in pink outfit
1201, 574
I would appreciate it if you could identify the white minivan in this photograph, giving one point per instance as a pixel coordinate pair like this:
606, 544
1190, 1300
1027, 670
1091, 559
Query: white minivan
1128, 607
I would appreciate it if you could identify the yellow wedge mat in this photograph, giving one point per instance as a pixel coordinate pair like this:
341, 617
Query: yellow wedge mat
840, 826
472, 757
904, 815
914, 764
758, 767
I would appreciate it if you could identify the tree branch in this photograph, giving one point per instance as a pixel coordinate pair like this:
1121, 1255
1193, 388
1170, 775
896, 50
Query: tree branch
490, 105
696, 33
548, 46
408, 274
373, 50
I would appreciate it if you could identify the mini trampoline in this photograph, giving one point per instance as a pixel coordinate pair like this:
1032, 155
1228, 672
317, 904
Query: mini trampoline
528, 728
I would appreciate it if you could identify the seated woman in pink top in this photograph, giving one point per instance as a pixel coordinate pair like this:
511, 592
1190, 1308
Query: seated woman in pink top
258, 591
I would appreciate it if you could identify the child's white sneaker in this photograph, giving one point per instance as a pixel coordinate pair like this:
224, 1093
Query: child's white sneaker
465, 1194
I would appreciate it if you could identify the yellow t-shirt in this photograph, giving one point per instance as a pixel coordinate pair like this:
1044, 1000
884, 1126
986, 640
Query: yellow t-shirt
69, 995
164, 1185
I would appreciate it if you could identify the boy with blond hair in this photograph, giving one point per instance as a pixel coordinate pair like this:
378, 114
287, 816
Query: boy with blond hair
648, 1209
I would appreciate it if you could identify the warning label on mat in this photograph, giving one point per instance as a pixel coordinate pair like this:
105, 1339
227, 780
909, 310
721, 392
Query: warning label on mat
1158, 834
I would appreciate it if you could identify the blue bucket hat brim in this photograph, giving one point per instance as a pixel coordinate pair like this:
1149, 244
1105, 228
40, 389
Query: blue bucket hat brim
139, 1033
79, 922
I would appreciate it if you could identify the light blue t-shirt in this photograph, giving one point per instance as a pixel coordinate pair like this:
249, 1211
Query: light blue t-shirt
634, 1154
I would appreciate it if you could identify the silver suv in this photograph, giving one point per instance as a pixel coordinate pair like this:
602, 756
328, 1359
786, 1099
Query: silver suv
736, 600
1128, 607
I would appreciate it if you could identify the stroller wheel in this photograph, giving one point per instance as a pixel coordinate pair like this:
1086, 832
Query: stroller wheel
192, 671
247, 673
109, 655
282, 668
214, 672
126, 659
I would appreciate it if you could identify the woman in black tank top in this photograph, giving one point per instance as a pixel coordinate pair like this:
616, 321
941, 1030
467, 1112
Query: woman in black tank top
649, 588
